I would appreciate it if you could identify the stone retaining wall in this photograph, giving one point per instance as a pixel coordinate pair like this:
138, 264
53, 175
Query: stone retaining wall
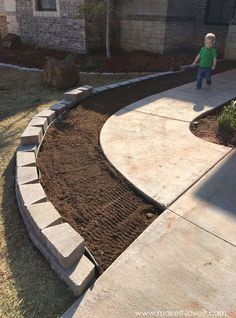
62, 246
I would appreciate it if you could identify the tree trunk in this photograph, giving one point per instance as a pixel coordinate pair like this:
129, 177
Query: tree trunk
108, 29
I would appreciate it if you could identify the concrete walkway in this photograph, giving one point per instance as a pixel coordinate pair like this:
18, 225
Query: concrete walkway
185, 260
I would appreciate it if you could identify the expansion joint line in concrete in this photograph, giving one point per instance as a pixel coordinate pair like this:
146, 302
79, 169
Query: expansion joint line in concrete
155, 115
202, 228
207, 171
190, 188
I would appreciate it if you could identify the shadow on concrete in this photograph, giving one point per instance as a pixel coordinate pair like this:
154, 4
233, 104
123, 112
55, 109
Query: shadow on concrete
219, 188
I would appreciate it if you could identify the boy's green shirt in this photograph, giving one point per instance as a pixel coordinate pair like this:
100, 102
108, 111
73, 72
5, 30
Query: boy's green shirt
207, 56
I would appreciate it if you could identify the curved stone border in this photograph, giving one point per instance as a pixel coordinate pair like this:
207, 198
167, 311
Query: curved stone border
28, 69
62, 246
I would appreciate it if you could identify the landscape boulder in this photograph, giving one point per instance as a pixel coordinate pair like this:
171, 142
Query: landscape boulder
60, 74
10, 40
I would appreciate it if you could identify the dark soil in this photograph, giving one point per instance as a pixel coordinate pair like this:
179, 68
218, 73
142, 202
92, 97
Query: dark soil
87, 191
206, 127
30, 56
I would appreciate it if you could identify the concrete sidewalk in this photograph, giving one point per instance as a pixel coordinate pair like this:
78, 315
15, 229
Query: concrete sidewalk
185, 260
149, 142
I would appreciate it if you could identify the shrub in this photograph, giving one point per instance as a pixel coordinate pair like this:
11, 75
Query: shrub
91, 65
70, 56
227, 119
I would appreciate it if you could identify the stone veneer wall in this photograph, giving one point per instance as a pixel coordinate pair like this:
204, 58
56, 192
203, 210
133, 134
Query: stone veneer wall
60, 30
157, 26
201, 29
142, 25
180, 21
167, 25
179, 35
142, 34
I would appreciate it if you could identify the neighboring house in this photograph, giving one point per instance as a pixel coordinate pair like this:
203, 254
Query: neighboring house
150, 25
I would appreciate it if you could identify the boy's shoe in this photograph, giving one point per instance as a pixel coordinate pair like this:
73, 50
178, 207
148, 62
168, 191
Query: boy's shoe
208, 82
198, 87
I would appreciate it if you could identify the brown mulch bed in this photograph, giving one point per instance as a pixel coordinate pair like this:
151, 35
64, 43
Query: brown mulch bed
30, 56
87, 191
206, 127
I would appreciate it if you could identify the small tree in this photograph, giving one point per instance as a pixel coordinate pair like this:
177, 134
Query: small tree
93, 8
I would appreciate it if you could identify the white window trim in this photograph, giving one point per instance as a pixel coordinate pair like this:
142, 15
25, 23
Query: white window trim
50, 14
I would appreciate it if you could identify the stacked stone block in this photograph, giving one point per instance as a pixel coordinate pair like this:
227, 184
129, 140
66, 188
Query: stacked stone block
63, 247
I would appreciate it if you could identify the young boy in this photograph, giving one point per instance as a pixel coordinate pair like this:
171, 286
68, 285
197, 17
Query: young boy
207, 57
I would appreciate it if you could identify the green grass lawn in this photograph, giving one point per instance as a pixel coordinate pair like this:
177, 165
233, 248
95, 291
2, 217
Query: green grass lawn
29, 288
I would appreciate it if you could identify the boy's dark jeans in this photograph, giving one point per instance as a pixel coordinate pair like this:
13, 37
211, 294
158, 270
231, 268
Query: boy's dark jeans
203, 72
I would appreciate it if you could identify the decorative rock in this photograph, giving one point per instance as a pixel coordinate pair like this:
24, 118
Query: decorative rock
40, 122
43, 215
32, 193
47, 113
78, 94
25, 159
60, 74
25, 175
10, 40
149, 215
32, 135
65, 243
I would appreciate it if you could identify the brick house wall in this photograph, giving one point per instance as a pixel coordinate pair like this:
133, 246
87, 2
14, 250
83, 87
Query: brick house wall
60, 30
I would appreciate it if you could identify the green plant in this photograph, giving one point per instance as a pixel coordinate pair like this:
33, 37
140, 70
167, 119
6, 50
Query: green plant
91, 64
70, 56
227, 119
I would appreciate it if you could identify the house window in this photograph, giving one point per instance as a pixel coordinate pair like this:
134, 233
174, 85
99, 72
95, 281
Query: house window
46, 5
220, 12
